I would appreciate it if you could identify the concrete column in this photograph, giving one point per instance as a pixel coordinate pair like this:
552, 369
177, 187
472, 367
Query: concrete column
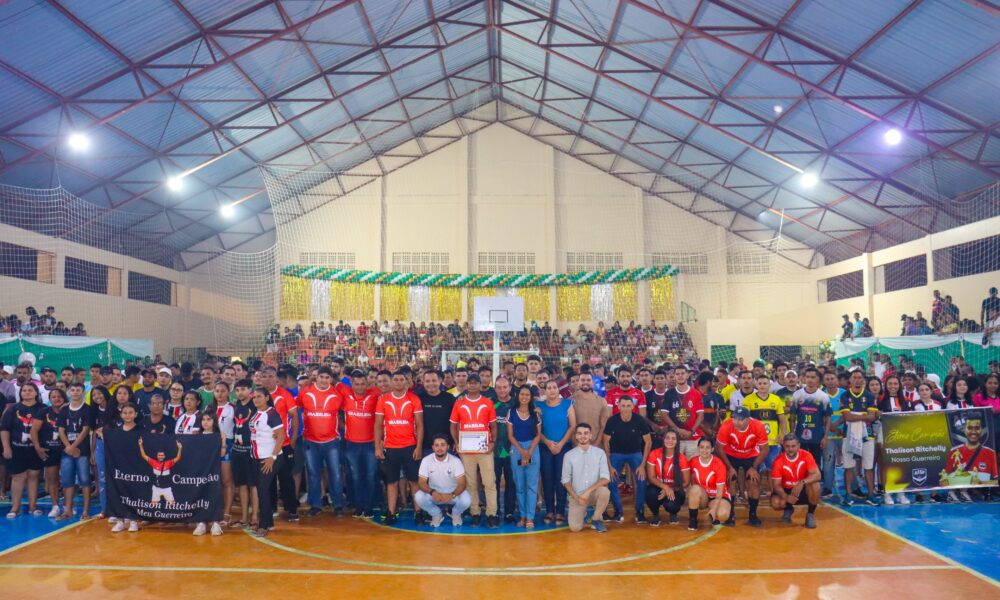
553, 261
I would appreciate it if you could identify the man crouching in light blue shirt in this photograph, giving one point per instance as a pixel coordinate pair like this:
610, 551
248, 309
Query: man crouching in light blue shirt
585, 476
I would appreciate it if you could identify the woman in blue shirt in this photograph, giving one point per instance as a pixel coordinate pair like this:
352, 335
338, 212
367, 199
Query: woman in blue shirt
524, 434
558, 423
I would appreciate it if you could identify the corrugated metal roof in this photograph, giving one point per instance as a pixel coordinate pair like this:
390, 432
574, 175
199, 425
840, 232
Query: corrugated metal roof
686, 95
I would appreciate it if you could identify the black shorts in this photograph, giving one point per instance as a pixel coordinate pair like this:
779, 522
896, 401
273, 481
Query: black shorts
55, 456
24, 459
745, 464
397, 459
243, 467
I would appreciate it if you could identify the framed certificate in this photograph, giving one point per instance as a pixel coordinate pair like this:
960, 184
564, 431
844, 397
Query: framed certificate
473, 442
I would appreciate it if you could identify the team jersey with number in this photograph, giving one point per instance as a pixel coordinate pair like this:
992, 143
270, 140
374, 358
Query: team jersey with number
664, 468
319, 413
684, 408
791, 471
399, 414
766, 410
742, 444
709, 476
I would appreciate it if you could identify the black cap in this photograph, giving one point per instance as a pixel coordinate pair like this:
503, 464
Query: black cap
48, 370
474, 377
741, 412
358, 373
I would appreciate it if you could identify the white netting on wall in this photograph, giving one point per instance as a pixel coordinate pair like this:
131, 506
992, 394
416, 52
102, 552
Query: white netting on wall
488, 203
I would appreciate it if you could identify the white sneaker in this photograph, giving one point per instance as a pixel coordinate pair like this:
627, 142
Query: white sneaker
119, 527
216, 529
456, 518
133, 526
888, 501
436, 520
952, 497
200, 529
964, 495
54, 512
902, 498
113, 520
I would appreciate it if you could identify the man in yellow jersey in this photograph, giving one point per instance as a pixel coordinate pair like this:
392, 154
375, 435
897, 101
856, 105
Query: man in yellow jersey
769, 410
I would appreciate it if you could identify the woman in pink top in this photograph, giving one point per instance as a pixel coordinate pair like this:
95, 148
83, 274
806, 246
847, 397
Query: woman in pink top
989, 395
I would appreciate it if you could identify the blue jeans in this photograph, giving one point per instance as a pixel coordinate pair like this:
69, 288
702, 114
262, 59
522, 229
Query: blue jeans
552, 487
361, 458
525, 481
830, 454
318, 456
74, 471
634, 461
101, 484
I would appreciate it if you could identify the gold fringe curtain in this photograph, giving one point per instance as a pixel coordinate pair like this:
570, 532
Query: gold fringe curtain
626, 301
296, 296
536, 303
446, 303
573, 302
661, 299
395, 302
476, 293
352, 301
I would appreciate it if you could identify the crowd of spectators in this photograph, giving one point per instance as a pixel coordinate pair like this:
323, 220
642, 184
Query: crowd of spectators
946, 318
36, 324
390, 345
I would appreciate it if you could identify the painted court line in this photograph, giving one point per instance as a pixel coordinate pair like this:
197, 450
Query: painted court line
936, 555
477, 573
42, 537
423, 568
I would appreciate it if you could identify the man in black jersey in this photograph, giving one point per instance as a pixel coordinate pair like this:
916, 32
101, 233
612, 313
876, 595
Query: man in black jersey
437, 408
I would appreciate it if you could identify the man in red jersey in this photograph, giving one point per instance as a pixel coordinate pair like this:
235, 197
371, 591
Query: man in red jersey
287, 409
742, 446
359, 441
473, 417
320, 406
625, 388
973, 457
399, 433
795, 480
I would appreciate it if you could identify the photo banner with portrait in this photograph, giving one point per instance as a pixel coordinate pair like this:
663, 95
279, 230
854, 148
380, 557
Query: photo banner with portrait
947, 449
167, 478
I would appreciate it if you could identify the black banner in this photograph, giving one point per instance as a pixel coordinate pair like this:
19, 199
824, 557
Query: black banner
169, 478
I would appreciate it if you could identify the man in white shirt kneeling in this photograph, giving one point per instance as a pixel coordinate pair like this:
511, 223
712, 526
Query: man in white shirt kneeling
442, 482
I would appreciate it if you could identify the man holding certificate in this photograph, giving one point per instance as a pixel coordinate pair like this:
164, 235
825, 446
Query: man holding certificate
474, 428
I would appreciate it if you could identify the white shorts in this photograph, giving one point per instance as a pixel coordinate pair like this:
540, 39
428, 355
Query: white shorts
867, 454
159, 492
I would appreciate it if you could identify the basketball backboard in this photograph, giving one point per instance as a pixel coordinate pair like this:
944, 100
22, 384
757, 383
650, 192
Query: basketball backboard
498, 313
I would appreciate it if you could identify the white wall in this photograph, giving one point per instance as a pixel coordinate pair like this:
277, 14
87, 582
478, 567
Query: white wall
188, 324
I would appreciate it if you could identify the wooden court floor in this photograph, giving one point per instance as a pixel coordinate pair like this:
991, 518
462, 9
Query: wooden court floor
329, 557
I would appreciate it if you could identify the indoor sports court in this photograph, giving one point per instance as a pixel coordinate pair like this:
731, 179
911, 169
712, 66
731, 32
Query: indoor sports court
465, 298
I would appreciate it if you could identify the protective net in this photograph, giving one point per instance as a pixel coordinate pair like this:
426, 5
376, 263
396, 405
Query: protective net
488, 203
